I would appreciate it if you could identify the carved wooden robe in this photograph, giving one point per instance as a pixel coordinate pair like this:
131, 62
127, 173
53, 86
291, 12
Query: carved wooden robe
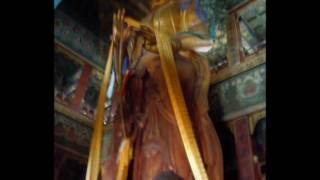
157, 143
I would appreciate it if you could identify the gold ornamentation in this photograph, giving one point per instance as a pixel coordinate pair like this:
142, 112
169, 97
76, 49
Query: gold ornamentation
178, 103
95, 147
254, 118
124, 157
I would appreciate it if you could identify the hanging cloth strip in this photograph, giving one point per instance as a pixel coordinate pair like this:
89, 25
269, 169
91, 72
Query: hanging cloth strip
95, 147
178, 103
124, 158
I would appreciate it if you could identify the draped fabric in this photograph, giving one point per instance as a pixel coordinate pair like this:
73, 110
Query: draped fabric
158, 148
157, 143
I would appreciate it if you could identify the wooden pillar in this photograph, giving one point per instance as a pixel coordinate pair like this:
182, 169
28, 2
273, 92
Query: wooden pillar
58, 161
243, 149
81, 87
234, 56
257, 171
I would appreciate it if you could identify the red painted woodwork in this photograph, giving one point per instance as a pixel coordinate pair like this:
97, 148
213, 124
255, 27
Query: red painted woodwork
258, 175
244, 149
233, 40
81, 88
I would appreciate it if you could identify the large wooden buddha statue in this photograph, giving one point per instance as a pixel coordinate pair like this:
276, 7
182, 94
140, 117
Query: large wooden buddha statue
159, 151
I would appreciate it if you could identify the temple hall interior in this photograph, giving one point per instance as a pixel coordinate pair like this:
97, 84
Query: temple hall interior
159, 89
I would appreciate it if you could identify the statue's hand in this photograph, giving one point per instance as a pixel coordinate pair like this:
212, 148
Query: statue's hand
118, 26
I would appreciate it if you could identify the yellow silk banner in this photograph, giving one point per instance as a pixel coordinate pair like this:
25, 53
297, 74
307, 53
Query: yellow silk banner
124, 157
168, 67
93, 166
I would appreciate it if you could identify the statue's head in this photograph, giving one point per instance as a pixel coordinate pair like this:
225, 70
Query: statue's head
173, 16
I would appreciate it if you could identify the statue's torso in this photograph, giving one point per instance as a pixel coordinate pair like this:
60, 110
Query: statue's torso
157, 141
160, 147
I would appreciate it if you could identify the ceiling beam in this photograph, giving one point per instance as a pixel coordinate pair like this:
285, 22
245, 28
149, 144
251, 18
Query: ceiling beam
250, 62
240, 6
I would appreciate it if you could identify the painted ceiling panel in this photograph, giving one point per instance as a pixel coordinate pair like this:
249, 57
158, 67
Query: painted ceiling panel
92, 14
84, 12
78, 38
253, 26
241, 94
66, 76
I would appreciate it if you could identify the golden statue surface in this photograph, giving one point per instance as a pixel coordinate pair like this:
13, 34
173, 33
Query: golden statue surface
161, 127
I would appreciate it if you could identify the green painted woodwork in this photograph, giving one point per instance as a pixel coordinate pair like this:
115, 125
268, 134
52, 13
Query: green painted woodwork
243, 93
71, 134
78, 38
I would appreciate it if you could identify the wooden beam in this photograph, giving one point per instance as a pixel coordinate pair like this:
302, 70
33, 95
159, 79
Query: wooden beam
243, 149
233, 40
249, 63
244, 111
81, 87
254, 118
77, 116
72, 153
240, 6
76, 56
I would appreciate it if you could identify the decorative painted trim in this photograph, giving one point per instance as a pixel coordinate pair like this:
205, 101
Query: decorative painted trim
254, 118
82, 157
73, 114
240, 95
249, 63
58, 107
79, 38
245, 111
60, 47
